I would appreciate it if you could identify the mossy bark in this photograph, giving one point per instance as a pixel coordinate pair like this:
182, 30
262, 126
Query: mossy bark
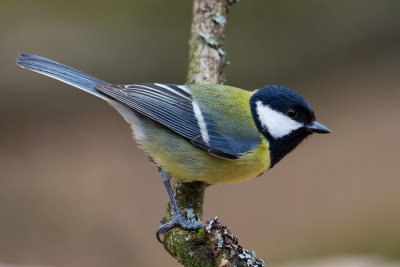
206, 63
187, 246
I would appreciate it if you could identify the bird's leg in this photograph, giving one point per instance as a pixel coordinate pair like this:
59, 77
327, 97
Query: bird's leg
178, 219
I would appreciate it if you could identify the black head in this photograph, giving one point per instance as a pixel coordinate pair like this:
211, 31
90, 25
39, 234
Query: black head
284, 118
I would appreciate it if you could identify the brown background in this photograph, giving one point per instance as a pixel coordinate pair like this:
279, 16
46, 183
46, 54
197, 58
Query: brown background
75, 190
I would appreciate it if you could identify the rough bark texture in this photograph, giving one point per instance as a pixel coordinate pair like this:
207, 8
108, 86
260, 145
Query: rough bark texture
213, 245
207, 42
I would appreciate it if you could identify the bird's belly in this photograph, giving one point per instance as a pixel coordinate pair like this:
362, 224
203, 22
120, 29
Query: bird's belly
186, 162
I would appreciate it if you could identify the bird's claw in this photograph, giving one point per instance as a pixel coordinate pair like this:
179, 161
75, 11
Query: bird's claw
179, 221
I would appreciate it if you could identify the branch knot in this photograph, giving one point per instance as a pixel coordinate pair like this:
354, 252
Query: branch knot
226, 247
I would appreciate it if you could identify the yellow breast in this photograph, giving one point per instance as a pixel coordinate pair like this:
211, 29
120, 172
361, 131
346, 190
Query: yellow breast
188, 163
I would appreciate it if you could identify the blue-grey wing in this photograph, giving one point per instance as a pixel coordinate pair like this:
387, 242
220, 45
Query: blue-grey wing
173, 107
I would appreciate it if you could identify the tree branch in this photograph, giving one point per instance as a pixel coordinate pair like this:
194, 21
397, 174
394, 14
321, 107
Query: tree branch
213, 245
207, 42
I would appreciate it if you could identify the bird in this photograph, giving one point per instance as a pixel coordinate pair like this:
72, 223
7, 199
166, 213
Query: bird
212, 133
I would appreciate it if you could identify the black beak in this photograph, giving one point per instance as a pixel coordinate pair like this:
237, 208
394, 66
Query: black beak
316, 127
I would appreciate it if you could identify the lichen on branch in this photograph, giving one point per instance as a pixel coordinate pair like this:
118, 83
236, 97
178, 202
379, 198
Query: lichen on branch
207, 42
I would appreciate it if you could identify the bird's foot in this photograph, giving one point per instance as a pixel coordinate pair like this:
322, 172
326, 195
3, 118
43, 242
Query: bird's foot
177, 221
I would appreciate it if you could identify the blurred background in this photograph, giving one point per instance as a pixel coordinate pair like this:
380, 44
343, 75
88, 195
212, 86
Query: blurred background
76, 191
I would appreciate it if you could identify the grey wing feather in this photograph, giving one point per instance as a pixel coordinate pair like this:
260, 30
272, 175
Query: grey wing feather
172, 106
168, 104
169, 109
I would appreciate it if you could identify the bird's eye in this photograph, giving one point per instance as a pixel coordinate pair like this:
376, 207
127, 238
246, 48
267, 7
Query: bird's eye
291, 113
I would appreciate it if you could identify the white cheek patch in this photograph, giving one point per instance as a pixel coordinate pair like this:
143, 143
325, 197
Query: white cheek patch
275, 122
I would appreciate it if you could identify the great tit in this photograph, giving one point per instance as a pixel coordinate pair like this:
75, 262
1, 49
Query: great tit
215, 134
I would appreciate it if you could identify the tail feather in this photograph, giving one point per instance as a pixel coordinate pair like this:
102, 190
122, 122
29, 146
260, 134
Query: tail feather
62, 73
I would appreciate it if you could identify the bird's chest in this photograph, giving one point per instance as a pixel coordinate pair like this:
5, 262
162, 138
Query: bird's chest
188, 163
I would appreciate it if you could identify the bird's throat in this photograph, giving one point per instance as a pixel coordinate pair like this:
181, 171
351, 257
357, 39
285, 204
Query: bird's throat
281, 147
